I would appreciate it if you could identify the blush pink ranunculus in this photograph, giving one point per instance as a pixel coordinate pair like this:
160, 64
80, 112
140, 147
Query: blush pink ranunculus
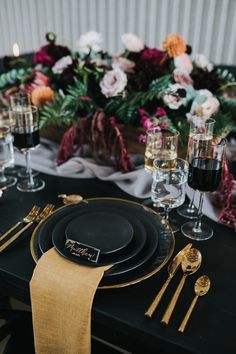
132, 42
113, 82
182, 77
183, 61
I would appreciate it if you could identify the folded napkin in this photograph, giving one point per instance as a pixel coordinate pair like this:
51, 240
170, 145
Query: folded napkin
137, 182
62, 293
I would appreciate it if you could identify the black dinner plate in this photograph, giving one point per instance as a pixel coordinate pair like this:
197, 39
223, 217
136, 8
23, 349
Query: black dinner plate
103, 230
136, 246
152, 264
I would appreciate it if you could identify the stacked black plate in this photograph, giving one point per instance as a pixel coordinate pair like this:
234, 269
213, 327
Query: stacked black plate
128, 235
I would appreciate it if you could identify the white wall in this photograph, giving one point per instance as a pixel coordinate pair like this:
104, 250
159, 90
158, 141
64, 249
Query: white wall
208, 25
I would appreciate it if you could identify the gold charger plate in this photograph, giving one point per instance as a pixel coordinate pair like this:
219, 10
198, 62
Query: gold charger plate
121, 284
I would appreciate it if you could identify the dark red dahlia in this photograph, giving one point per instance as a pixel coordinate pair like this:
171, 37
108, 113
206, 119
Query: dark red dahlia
50, 53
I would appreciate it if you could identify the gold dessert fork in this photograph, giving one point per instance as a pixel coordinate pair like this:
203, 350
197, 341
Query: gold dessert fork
31, 219
25, 220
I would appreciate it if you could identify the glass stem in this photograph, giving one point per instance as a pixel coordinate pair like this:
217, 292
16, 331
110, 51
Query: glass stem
198, 223
191, 206
28, 168
166, 213
2, 175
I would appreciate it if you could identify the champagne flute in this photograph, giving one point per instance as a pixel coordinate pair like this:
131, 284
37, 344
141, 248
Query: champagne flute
25, 129
6, 150
206, 160
160, 144
169, 185
196, 126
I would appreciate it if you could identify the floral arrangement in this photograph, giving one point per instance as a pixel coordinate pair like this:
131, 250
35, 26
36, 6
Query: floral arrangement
140, 87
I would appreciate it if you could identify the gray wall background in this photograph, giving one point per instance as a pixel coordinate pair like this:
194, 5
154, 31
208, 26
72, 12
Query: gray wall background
208, 25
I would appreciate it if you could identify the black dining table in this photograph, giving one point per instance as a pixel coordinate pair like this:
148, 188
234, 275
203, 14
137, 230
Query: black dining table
118, 314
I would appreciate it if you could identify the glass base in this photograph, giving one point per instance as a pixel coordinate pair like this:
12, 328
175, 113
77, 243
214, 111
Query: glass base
9, 182
150, 204
172, 224
188, 229
24, 185
187, 212
12, 170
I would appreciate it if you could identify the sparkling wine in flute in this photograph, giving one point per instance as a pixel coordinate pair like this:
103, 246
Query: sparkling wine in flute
167, 158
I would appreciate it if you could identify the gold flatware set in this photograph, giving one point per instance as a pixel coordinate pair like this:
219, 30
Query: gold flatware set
190, 260
33, 216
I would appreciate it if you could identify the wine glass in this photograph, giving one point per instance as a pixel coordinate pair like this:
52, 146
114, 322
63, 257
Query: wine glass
196, 126
160, 144
206, 160
6, 149
169, 185
25, 129
20, 101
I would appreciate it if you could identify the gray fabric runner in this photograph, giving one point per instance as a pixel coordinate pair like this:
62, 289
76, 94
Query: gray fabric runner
136, 183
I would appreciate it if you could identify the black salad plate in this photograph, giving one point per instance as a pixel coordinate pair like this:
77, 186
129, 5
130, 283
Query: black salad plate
135, 247
103, 230
148, 251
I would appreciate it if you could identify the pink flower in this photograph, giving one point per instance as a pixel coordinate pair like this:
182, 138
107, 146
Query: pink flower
184, 62
123, 64
164, 124
132, 42
146, 122
113, 82
153, 54
142, 138
182, 77
160, 112
142, 111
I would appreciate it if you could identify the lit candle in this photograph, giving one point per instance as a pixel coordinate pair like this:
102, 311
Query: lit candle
16, 50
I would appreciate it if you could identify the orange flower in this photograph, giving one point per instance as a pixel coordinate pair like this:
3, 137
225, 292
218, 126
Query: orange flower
42, 94
174, 45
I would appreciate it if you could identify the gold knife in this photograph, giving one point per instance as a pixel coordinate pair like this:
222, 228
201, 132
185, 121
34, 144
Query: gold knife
172, 268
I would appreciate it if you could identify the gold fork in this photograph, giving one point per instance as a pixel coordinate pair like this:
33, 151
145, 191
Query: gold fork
31, 218
34, 217
25, 220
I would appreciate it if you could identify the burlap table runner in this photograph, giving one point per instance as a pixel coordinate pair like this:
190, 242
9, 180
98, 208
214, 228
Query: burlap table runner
62, 293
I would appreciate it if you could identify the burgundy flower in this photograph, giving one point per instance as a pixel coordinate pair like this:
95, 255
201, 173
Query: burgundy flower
49, 54
153, 54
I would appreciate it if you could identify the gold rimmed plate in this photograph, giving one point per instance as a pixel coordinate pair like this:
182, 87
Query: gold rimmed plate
135, 270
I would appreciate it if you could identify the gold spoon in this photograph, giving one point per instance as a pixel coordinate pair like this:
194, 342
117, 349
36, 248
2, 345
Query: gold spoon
190, 264
201, 287
71, 198
172, 268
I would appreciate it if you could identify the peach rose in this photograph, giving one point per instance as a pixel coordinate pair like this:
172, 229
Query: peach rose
40, 95
174, 45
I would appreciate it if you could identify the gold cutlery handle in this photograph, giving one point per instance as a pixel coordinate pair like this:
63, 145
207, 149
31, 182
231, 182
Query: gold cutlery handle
155, 303
188, 314
10, 230
13, 238
167, 315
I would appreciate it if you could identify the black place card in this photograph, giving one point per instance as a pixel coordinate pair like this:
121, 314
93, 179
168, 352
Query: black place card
81, 250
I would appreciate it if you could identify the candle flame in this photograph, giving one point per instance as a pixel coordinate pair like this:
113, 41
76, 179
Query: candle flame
16, 50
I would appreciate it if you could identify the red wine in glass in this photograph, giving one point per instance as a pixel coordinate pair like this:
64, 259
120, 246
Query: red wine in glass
26, 140
205, 174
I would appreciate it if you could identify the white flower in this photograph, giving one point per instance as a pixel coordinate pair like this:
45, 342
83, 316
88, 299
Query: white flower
113, 82
184, 62
132, 42
62, 64
90, 41
205, 104
202, 62
174, 96
123, 64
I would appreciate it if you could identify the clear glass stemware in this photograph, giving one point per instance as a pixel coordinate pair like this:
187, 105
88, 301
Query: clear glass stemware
25, 129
